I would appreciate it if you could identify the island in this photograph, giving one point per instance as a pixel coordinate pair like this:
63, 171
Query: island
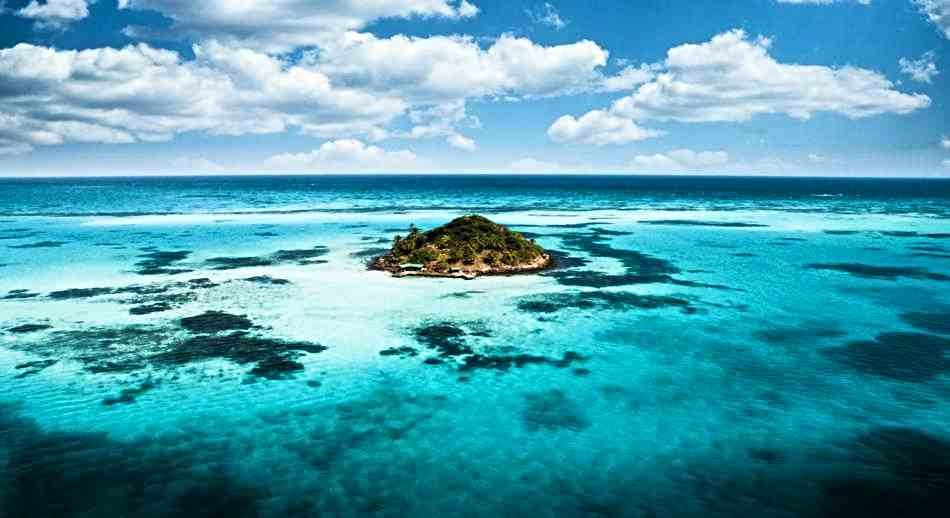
466, 247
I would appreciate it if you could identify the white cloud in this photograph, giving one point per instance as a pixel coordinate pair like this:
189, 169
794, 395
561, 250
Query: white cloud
921, 70
140, 93
817, 159
462, 142
598, 128
354, 87
946, 163
937, 12
345, 155
629, 78
732, 78
282, 25
945, 143
55, 13
440, 120
547, 14
680, 160
444, 68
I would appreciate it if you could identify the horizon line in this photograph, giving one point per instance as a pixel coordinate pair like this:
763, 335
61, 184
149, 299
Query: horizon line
461, 174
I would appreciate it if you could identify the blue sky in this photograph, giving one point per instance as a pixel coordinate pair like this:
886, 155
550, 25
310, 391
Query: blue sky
780, 87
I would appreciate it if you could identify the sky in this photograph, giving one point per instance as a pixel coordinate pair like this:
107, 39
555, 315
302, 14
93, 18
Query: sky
750, 87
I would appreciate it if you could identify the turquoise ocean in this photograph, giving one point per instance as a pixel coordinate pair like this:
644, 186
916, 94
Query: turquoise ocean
706, 346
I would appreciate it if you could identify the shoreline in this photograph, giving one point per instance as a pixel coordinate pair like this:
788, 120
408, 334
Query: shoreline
545, 262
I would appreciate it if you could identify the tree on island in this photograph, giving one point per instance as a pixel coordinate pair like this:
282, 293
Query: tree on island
465, 247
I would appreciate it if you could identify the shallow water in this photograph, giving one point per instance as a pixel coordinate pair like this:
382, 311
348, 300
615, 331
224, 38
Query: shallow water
709, 346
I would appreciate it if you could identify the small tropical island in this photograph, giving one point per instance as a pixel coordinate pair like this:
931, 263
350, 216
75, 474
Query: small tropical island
465, 248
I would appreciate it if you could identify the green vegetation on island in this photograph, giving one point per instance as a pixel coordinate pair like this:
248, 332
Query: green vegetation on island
466, 247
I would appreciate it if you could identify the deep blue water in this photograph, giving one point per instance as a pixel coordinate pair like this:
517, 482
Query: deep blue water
161, 195
708, 346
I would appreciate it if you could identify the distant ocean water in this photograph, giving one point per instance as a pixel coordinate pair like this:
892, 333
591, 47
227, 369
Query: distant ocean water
707, 346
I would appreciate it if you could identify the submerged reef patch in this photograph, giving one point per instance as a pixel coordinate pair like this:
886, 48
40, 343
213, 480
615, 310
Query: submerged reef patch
29, 328
149, 293
81, 293
133, 348
18, 235
267, 280
869, 271
505, 362
34, 367
40, 244
19, 294
215, 321
100, 349
911, 357
893, 471
553, 410
272, 358
804, 333
234, 263
160, 262
562, 260
128, 395
640, 268
147, 309
402, 352
451, 340
445, 337
51, 473
461, 294
612, 300
933, 321
302, 257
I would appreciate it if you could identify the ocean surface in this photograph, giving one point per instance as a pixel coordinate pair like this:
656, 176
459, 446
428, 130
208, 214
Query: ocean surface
215, 346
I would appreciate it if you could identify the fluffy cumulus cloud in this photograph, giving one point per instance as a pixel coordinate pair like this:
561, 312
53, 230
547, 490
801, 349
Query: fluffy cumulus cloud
629, 78
680, 160
355, 86
937, 12
55, 13
732, 78
345, 155
282, 25
140, 93
921, 70
443, 68
598, 128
